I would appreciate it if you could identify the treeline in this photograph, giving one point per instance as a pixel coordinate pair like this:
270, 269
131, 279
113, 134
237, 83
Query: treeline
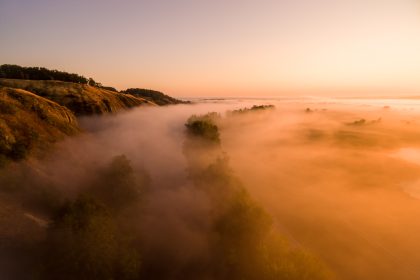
255, 108
155, 96
8, 71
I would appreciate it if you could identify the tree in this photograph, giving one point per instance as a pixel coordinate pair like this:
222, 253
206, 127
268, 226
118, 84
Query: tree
83, 243
117, 186
204, 127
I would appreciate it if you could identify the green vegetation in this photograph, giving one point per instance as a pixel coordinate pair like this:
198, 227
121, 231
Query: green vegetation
117, 186
254, 108
154, 96
8, 71
89, 237
204, 127
84, 243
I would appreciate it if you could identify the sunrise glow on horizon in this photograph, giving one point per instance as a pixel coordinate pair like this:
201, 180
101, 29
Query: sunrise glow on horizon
223, 48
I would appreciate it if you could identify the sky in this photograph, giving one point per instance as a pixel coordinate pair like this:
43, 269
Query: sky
247, 48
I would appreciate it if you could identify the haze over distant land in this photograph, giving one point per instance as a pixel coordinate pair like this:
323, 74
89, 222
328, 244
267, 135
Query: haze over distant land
210, 139
223, 48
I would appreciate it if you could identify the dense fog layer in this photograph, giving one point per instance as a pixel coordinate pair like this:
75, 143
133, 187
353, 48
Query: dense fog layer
339, 179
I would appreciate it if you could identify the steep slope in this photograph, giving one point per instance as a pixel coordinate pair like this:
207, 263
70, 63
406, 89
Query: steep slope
30, 123
81, 99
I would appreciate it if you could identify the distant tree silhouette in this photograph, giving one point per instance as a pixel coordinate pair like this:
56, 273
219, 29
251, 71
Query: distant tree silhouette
8, 71
155, 96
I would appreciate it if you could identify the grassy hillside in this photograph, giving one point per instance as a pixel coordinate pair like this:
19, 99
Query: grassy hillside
30, 123
81, 99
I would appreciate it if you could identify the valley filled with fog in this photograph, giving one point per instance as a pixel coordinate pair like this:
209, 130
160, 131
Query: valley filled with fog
338, 180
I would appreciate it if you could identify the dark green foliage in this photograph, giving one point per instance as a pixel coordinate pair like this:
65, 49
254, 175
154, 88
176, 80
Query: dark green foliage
155, 96
83, 243
8, 71
255, 108
204, 127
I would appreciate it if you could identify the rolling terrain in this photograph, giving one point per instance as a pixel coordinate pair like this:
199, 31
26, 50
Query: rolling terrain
81, 99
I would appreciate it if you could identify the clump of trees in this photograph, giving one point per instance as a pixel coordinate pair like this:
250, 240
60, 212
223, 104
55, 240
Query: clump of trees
363, 122
9, 71
254, 108
204, 127
84, 243
154, 96
89, 237
117, 185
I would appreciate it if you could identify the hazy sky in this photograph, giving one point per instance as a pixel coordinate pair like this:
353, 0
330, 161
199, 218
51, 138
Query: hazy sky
222, 48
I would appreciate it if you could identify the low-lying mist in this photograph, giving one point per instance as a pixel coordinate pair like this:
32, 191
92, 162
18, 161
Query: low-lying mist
304, 190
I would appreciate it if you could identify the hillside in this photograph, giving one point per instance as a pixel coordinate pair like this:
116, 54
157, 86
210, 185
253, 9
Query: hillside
29, 123
154, 96
81, 99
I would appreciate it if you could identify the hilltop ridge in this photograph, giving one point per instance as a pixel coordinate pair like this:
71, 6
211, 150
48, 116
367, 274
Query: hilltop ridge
39, 106
81, 99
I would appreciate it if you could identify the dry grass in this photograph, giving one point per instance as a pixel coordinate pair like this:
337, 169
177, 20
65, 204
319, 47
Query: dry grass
79, 98
30, 123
